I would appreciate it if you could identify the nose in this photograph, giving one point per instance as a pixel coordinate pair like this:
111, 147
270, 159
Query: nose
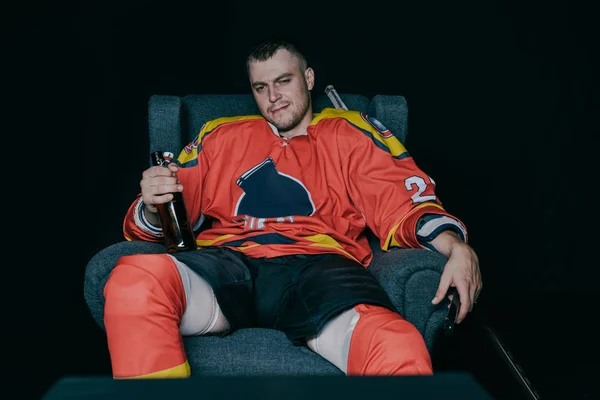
274, 95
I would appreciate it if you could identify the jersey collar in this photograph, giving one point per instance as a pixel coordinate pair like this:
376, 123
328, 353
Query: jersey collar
276, 131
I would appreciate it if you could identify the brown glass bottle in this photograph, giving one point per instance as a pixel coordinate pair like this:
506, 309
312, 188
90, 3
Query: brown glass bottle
174, 218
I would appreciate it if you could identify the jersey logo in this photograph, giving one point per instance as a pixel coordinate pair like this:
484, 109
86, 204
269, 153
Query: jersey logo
269, 193
378, 126
194, 145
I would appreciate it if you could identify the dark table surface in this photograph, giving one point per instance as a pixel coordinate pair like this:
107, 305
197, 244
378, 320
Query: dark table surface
530, 346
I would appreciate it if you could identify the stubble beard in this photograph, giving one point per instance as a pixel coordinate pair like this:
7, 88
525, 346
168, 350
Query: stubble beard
296, 117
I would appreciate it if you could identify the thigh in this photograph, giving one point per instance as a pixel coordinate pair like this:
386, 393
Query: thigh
202, 314
230, 274
326, 286
273, 286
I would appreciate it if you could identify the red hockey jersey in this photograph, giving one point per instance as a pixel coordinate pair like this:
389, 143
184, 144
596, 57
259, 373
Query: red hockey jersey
267, 196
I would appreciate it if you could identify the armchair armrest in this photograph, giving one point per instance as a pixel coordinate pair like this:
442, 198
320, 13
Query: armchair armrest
411, 277
100, 266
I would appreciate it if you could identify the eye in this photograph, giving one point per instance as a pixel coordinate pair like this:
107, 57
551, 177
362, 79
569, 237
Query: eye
284, 81
259, 88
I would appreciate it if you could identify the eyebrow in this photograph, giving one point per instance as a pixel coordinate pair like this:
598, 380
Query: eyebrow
282, 76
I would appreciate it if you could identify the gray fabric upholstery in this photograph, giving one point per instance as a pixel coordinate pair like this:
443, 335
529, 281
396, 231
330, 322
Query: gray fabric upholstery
175, 121
410, 276
392, 112
355, 102
165, 120
254, 351
200, 108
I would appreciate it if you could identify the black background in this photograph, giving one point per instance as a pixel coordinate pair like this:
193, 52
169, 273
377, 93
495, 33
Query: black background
503, 109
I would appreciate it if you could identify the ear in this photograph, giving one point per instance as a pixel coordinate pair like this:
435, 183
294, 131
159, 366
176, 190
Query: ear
309, 75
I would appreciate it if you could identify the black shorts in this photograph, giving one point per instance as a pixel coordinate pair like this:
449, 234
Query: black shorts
296, 294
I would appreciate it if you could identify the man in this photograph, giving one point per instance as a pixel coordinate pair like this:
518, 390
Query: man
288, 194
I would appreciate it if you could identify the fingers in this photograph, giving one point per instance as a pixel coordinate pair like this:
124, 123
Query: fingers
158, 184
472, 296
465, 301
151, 172
161, 199
159, 194
461, 271
442, 288
173, 167
152, 209
477, 284
161, 188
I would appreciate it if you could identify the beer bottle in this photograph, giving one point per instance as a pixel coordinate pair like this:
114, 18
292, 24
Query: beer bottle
174, 218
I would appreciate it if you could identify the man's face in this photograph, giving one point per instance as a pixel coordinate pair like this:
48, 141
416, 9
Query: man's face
281, 89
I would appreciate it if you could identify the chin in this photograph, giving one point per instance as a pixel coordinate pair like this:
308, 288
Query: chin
283, 128
284, 125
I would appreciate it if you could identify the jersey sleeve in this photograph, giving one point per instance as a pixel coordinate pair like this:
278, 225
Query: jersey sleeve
397, 199
194, 163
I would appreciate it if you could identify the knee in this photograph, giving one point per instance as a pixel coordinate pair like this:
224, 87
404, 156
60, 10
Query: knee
139, 283
384, 343
404, 344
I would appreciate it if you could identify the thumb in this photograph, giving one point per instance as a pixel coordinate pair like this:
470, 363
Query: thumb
442, 289
173, 167
150, 208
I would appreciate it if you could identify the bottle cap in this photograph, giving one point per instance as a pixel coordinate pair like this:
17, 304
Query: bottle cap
168, 156
162, 158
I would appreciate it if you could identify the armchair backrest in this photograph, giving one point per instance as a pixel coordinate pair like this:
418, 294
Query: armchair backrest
174, 121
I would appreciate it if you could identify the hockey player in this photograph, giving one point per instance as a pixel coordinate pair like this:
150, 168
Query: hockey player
287, 195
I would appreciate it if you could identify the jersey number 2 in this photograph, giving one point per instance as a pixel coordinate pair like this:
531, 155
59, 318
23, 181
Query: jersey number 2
417, 183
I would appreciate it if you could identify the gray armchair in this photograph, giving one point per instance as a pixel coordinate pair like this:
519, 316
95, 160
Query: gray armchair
410, 276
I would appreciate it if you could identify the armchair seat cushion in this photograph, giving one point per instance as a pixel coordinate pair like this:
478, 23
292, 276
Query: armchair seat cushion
253, 351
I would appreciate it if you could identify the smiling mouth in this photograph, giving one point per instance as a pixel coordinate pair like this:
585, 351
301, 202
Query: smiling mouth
280, 109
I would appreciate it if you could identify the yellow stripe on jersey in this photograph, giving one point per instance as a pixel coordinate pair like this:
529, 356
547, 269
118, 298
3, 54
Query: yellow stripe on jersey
321, 240
391, 241
206, 242
242, 248
178, 372
190, 152
358, 119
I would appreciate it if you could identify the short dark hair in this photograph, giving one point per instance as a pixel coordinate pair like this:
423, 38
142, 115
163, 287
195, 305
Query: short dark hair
266, 48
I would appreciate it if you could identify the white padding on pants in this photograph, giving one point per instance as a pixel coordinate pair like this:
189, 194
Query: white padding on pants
333, 342
202, 312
